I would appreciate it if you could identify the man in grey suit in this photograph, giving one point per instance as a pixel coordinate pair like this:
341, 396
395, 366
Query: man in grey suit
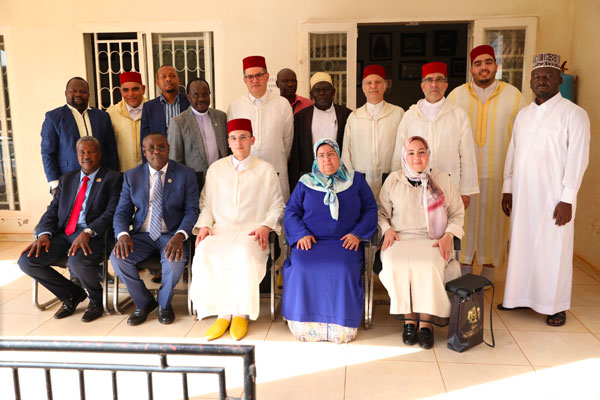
198, 136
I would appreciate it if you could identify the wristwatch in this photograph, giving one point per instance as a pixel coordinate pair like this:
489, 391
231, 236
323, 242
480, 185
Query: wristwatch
88, 231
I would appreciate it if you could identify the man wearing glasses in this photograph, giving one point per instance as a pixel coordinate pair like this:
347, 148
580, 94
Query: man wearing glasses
271, 116
447, 129
241, 203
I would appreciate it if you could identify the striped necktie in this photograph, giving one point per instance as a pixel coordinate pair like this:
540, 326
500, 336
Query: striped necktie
156, 216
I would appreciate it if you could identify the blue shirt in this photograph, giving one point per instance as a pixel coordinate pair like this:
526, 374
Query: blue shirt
81, 222
171, 110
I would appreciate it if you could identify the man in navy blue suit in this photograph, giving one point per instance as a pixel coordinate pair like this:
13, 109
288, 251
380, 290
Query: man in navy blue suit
64, 125
157, 113
160, 200
74, 223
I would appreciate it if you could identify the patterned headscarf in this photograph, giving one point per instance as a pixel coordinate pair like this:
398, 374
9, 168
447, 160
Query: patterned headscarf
332, 184
436, 215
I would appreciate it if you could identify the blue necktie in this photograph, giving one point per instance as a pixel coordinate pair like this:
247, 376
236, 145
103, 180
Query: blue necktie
156, 216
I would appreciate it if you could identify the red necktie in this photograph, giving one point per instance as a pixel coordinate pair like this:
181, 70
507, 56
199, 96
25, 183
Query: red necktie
77, 207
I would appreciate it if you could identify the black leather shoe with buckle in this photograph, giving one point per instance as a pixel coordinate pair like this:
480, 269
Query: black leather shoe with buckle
139, 315
166, 315
68, 306
409, 336
92, 312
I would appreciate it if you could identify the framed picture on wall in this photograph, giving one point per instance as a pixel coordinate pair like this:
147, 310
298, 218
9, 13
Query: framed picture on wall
458, 68
413, 44
444, 43
411, 70
359, 71
381, 46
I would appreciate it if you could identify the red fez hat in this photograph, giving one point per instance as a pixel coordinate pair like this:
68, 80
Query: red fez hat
483, 49
374, 69
240, 124
433, 67
130, 77
254, 61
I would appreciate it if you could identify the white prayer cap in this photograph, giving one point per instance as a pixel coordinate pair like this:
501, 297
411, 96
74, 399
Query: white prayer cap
320, 77
546, 60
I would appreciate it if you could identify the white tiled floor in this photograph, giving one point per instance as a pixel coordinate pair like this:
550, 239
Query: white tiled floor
530, 359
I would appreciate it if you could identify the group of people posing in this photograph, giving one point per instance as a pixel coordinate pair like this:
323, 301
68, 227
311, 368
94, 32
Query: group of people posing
447, 167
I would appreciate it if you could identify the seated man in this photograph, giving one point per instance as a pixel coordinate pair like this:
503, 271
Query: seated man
241, 202
160, 200
74, 224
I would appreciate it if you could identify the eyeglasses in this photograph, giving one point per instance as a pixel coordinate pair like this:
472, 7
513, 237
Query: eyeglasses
241, 138
329, 155
257, 76
438, 80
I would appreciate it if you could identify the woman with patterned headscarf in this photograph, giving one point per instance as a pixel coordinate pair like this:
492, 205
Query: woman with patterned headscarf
420, 211
328, 213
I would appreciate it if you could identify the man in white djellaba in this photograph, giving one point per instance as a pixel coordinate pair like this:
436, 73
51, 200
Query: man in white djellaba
545, 163
241, 202
271, 116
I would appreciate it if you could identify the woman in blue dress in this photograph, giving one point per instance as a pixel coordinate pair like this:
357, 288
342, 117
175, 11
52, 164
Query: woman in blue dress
329, 212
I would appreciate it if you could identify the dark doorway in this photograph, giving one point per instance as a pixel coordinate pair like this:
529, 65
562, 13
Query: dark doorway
402, 49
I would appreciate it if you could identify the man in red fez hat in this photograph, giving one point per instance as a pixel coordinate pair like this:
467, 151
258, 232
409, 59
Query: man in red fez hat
271, 116
370, 131
125, 117
492, 106
64, 125
241, 203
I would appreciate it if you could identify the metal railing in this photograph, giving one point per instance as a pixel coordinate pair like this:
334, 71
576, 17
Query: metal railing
160, 349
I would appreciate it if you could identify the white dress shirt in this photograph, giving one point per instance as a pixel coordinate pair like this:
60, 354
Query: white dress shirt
484, 93
431, 110
324, 124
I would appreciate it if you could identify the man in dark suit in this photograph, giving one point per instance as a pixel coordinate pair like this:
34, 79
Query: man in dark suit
74, 223
198, 136
160, 200
63, 126
157, 113
324, 120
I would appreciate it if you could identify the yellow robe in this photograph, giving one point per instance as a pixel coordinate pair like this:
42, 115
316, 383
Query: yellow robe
127, 135
486, 226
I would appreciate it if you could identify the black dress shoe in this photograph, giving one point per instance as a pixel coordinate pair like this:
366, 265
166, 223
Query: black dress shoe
409, 336
92, 312
139, 315
425, 338
68, 306
166, 315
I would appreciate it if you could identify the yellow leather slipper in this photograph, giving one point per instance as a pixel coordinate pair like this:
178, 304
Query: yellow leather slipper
217, 329
239, 328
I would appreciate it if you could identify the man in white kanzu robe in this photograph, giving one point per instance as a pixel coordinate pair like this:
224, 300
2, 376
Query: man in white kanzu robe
271, 116
240, 203
447, 129
492, 107
370, 132
546, 160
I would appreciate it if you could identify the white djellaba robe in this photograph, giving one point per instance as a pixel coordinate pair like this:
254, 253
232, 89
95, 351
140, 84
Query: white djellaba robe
547, 157
486, 226
229, 265
273, 128
369, 142
450, 140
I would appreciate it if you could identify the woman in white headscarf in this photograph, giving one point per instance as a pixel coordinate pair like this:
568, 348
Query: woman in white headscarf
420, 212
328, 213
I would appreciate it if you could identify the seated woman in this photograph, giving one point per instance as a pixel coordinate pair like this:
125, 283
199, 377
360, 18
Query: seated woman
328, 213
420, 211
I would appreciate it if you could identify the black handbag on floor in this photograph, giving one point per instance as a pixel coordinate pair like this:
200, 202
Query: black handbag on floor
465, 329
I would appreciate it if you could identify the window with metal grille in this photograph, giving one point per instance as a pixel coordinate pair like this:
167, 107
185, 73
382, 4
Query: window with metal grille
509, 46
9, 195
328, 53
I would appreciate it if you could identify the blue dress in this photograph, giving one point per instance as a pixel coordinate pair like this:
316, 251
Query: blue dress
324, 284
